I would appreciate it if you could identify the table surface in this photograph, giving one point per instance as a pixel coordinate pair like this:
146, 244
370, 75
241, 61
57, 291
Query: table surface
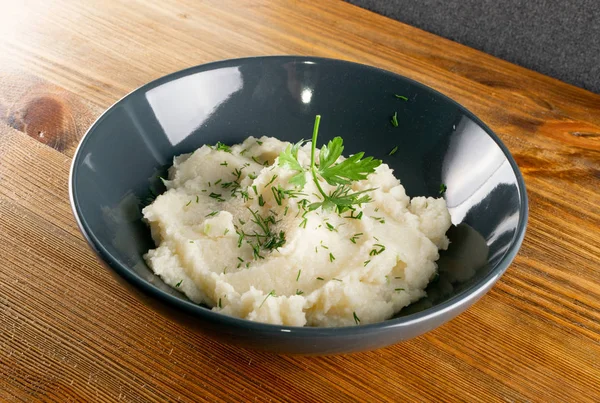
70, 332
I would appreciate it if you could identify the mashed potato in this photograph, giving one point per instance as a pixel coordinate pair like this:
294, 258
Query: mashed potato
320, 268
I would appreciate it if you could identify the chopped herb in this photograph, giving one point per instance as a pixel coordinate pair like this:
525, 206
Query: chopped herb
255, 160
402, 97
380, 219
245, 195
191, 241
217, 197
298, 276
224, 163
398, 289
356, 217
330, 227
303, 223
366, 262
271, 293
443, 189
356, 319
197, 199
393, 151
299, 292
271, 181
178, 284
240, 238
337, 279
286, 210
261, 201
203, 190
394, 119
226, 185
320, 278
242, 222
214, 213
219, 304
252, 176
355, 237
222, 147
188, 203
260, 143
240, 259
255, 191
377, 249
265, 240
226, 231
217, 182
237, 173
331, 257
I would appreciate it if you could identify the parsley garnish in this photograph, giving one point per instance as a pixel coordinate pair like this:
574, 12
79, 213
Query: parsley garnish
219, 304
402, 97
320, 278
340, 174
356, 318
214, 213
260, 143
298, 276
188, 203
178, 284
331, 257
330, 227
289, 158
394, 119
393, 151
299, 292
398, 289
366, 262
224, 163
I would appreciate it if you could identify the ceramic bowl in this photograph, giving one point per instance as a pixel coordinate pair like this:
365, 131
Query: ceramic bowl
118, 163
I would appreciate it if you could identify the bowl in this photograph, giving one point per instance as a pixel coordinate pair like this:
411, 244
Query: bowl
117, 166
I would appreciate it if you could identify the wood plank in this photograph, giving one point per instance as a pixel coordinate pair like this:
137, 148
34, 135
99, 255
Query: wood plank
70, 332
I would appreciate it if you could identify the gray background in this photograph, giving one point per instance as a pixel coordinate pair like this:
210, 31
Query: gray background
560, 38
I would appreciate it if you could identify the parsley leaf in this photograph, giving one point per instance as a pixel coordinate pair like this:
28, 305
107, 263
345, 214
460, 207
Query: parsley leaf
289, 158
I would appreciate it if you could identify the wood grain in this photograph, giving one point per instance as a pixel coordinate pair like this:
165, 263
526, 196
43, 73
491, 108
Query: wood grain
69, 332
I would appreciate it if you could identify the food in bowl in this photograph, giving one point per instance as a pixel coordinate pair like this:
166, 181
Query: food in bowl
289, 234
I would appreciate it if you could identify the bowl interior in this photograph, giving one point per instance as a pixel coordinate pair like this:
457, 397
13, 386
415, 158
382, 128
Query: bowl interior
118, 164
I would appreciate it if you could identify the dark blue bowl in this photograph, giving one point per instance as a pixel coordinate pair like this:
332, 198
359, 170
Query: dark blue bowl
118, 163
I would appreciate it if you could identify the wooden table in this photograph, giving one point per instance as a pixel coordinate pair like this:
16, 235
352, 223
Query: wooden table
69, 332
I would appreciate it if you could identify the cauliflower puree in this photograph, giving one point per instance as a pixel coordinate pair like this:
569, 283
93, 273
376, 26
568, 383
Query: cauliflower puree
231, 232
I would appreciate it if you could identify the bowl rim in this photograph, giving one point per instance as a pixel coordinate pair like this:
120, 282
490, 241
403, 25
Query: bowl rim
187, 306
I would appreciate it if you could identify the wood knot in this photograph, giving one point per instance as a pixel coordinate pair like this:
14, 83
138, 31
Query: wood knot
47, 113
